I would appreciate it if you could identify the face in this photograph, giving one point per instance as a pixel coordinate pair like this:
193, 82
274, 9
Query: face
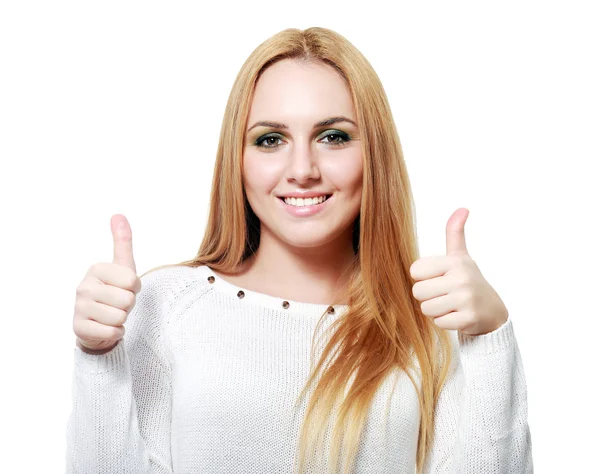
294, 153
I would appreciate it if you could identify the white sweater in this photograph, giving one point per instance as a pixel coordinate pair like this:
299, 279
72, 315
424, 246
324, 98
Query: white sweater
205, 379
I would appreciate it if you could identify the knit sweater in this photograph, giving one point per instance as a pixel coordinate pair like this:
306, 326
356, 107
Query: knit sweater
207, 374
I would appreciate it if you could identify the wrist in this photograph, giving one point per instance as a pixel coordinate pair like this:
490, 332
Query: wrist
87, 350
487, 330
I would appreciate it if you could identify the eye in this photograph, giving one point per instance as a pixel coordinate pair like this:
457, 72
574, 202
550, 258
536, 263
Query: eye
335, 138
268, 139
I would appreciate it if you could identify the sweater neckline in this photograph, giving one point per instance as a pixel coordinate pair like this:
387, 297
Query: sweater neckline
262, 299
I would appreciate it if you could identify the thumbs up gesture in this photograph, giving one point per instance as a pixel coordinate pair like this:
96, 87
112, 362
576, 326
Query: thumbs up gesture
452, 289
107, 294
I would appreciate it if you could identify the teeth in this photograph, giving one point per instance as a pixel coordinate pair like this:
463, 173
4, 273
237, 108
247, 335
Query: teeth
298, 202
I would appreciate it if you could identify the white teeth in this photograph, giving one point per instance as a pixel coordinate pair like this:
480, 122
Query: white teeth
298, 202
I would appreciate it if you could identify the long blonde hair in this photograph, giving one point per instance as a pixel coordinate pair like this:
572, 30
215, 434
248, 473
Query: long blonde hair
383, 323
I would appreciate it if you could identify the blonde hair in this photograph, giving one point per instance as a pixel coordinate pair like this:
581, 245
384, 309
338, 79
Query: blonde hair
383, 323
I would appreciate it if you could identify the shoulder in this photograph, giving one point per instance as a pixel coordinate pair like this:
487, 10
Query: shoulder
163, 290
167, 284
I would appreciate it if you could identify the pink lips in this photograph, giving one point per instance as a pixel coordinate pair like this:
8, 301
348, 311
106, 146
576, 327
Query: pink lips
305, 211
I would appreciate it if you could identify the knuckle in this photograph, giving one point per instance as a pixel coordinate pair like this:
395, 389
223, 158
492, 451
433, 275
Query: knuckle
132, 280
116, 333
121, 317
95, 269
80, 307
462, 280
471, 319
130, 300
129, 278
413, 269
76, 328
468, 298
83, 289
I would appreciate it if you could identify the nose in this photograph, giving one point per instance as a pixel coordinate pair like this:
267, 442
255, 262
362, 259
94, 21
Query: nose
302, 163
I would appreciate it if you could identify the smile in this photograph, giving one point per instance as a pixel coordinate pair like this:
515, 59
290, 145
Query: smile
298, 202
304, 209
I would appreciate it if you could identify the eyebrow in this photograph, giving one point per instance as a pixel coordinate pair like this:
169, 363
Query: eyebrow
323, 123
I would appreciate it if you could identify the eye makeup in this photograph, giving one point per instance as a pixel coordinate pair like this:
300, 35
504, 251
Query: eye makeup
335, 138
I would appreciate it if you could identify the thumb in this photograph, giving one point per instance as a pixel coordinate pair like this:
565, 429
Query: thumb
455, 232
123, 247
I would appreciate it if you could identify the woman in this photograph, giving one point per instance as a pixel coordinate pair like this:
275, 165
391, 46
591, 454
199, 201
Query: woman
310, 255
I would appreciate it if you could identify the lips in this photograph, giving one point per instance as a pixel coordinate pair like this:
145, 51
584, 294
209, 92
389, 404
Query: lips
327, 196
306, 211
305, 195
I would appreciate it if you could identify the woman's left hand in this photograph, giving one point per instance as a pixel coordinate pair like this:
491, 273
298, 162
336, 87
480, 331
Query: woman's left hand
453, 290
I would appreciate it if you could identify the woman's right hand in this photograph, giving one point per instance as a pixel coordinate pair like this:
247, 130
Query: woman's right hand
107, 294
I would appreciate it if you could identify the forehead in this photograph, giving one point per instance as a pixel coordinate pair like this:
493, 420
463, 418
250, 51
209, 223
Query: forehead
291, 90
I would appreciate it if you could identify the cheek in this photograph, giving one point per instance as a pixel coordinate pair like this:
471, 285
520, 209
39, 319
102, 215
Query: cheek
346, 173
260, 175
356, 173
355, 170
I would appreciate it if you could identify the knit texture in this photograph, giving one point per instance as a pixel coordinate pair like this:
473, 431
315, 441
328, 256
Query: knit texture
205, 379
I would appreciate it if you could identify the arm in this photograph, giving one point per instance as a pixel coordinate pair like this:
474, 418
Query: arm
481, 418
121, 414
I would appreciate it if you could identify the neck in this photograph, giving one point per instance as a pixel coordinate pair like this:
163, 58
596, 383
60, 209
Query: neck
307, 274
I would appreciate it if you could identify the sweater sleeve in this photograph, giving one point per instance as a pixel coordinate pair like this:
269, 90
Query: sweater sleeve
121, 414
481, 418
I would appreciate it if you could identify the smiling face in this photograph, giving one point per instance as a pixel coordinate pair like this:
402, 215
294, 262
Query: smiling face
292, 155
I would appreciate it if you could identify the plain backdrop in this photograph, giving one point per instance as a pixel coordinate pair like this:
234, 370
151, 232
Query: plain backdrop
115, 107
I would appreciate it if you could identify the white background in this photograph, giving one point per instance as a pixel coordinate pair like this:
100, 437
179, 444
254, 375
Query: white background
115, 107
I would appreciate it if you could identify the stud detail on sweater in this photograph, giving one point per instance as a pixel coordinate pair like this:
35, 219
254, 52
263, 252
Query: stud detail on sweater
284, 304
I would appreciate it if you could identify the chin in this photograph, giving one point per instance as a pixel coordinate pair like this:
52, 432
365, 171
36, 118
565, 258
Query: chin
308, 241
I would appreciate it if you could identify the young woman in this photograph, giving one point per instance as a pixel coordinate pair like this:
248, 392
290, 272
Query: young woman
306, 335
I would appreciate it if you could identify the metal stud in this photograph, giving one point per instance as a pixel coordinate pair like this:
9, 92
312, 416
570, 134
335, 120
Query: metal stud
285, 304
